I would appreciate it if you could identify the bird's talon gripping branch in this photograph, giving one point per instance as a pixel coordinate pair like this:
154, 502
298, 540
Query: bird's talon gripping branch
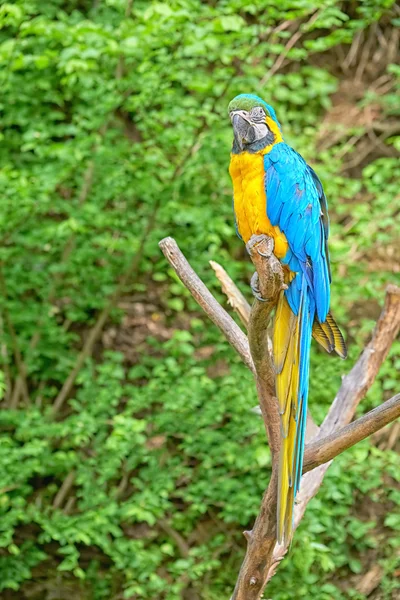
268, 280
265, 254
262, 244
255, 288
259, 297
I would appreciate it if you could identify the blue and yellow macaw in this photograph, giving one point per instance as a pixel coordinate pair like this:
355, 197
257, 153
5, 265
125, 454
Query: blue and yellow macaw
276, 193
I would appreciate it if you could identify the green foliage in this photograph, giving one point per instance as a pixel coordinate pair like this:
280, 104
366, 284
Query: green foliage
115, 134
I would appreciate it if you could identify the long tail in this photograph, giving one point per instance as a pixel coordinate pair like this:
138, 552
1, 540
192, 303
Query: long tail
292, 340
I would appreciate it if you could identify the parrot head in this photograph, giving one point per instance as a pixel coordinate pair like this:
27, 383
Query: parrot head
254, 122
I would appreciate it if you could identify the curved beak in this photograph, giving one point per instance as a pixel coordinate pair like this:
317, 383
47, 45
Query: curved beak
241, 127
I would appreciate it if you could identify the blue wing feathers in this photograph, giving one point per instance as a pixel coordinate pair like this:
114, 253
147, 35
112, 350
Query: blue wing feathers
297, 204
285, 215
324, 214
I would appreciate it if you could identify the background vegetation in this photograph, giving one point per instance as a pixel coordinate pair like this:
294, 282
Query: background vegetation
115, 134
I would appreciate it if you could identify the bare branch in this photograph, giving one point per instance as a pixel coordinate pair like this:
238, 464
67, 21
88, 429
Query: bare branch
270, 276
262, 539
243, 308
182, 545
206, 300
370, 580
325, 449
358, 381
236, 298
289, 45
234, 295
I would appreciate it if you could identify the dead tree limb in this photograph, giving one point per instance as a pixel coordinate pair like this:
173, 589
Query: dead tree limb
326, 448
261, 540
335, 435
358, 381
232, 292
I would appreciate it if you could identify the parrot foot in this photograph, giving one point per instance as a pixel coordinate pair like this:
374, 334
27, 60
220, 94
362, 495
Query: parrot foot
261, 241
255, 288
263, 254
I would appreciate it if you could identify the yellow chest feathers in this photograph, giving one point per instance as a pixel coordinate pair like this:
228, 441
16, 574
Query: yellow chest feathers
250, 200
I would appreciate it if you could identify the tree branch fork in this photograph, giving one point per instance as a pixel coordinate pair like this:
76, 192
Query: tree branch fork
336, 433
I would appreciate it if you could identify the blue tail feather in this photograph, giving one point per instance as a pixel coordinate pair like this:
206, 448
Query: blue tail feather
307, 318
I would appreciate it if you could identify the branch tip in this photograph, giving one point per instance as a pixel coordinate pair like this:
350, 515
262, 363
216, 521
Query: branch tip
247, 535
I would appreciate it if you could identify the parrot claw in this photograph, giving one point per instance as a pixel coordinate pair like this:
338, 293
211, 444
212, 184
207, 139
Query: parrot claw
257, 241
256, 289
259, 297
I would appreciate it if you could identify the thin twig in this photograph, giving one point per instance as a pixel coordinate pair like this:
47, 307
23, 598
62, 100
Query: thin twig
64, 489
289, 45
353, 50
234, 295
280, 60
182, 545
69, 505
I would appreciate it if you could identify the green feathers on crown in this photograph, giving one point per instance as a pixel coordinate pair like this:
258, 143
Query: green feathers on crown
249, 101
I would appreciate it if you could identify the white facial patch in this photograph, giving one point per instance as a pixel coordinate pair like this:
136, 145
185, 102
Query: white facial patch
260, 131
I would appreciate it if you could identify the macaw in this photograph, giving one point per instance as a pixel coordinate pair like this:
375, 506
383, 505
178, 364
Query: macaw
275, 192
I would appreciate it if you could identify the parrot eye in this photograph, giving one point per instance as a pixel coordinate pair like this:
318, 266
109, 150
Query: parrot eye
257, 113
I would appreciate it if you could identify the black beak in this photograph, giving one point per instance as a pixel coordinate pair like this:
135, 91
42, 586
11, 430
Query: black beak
242, 129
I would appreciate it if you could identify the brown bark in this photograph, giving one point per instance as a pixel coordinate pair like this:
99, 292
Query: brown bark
325, 449
234, 295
